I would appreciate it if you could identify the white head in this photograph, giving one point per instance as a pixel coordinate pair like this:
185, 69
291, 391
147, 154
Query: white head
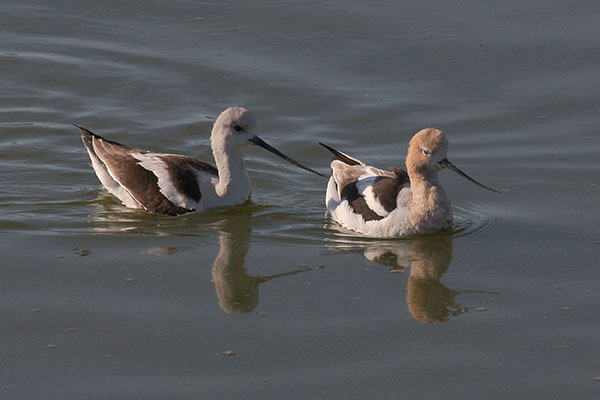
235, 128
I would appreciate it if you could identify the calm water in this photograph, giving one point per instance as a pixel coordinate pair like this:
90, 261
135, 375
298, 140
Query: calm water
269, 300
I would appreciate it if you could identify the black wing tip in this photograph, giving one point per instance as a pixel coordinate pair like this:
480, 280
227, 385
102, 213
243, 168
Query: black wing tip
335, 152
85, 131
339, 155
89, 136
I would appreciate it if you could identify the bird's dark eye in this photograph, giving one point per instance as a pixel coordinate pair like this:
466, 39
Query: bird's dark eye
426, 151
237, 128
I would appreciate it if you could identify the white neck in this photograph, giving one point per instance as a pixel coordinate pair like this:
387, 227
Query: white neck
234, 183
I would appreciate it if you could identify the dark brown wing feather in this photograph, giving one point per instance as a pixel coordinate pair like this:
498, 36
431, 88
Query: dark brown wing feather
358, 203
183, 172
385, 189
142, 184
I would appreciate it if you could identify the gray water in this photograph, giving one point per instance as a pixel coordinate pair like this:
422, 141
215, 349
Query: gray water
270, 299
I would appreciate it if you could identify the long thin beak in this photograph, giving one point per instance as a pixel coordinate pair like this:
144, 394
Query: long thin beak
447, 164
259, 142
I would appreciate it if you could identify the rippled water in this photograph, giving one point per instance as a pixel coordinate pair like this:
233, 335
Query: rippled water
271, 299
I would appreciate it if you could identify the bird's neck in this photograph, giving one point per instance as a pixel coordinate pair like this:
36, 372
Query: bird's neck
234, 182
429, 200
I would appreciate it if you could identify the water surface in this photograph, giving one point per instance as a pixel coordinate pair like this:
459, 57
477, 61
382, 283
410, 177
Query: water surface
270, 299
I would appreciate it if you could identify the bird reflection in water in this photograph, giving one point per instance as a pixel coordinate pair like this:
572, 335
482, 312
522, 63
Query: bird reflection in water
428, 258
237, 290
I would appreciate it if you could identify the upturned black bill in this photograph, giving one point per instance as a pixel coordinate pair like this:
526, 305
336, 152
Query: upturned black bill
447, 164
259, 142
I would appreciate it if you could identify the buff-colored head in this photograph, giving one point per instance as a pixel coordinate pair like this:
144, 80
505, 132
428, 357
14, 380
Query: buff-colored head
426, 150
427, 154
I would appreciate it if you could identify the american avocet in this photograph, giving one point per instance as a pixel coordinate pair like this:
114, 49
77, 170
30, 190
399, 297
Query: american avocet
174, 184
394, 203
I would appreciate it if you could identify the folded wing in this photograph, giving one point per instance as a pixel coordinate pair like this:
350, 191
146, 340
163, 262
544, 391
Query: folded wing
371, 192
159, 183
